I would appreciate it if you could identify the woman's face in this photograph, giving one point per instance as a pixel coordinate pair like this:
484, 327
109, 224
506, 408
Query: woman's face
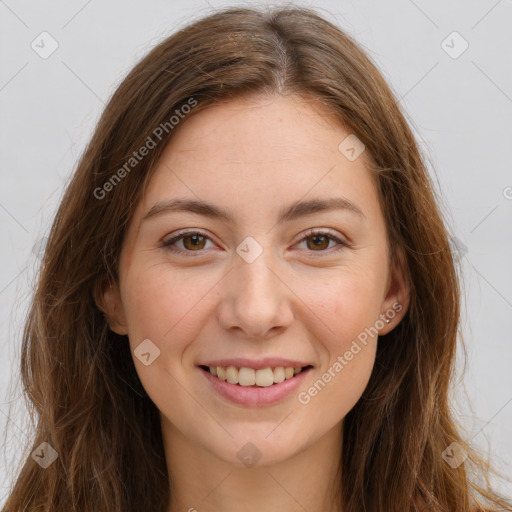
253, 284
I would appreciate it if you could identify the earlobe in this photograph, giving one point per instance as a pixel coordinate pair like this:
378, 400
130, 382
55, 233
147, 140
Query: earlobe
396, 302
108, 300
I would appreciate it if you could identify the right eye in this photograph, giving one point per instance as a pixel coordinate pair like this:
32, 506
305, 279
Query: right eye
193, 241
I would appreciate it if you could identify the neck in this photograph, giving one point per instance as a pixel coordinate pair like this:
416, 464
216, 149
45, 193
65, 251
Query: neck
201, 481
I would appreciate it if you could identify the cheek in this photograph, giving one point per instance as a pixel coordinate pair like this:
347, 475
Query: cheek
345, 380
345, 305
345, 312
164, 306
347, 349
168, 308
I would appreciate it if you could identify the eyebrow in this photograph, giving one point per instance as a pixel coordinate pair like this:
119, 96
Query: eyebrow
292, 212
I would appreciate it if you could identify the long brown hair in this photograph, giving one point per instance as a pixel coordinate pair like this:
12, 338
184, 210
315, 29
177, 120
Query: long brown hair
78, 376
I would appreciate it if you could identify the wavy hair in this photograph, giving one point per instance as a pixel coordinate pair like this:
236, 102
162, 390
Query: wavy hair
79, 380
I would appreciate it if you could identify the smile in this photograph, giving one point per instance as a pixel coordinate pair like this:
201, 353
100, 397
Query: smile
254, 388
247, 377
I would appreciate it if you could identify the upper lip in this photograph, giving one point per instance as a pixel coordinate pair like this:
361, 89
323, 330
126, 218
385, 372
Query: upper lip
257, 364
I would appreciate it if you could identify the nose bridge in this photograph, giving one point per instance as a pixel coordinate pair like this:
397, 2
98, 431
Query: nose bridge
257, 281
256, 300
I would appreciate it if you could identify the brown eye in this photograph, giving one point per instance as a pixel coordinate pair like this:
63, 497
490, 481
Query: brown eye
190, 241
318, 242
193, 242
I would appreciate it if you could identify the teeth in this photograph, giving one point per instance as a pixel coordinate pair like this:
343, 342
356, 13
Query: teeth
264, 377
232, 375
279, 374
249, 376
246, 377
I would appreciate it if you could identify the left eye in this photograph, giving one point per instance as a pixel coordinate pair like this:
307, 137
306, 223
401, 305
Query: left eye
320, 239
194, 241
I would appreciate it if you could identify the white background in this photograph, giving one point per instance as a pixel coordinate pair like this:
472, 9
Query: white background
460, 108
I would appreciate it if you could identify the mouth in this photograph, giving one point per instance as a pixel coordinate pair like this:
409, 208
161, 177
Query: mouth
265, 386
254, 378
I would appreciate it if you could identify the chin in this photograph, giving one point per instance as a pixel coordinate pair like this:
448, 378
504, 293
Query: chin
256, 446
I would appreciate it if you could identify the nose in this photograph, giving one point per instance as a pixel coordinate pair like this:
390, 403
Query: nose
255, 299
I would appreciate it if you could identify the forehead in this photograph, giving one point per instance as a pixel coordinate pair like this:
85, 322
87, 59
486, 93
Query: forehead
260, 151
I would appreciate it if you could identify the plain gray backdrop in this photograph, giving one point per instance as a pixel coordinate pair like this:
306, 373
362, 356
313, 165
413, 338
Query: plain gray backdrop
450, 65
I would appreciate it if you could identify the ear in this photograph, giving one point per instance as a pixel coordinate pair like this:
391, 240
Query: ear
397, 297
108, 300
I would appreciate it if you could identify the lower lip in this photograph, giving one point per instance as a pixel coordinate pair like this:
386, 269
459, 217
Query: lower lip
256, 396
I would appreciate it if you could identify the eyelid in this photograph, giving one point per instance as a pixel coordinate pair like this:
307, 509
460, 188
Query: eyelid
323, 231
186, 231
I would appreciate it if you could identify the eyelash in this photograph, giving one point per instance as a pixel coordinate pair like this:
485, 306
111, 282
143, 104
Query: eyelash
313, 232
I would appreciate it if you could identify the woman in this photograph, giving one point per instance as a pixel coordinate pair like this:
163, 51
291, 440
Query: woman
248, 298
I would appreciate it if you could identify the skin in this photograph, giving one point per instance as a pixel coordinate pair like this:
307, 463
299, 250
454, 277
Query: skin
253, 156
